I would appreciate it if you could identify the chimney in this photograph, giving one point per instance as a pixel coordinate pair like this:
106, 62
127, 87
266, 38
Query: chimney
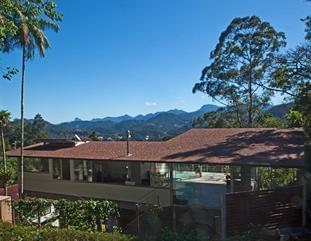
128, 136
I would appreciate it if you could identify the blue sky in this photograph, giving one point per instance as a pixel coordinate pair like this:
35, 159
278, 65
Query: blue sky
115, 57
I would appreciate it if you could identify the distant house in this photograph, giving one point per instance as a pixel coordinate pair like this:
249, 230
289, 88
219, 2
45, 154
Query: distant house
194, 168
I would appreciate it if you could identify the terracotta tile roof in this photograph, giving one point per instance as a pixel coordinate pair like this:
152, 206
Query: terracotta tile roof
229, 146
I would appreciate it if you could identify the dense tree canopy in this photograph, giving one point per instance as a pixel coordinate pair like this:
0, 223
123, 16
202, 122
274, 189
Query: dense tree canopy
307, 21
238, 73
292, 76
7, 26
34, 129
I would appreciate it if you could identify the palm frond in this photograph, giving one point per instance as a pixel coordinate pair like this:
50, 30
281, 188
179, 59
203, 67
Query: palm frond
40, 39
48, 25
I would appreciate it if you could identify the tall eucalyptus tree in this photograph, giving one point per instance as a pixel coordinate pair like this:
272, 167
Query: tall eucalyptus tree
237, 76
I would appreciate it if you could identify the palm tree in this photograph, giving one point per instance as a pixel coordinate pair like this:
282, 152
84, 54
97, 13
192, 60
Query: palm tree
32, 19
4, 120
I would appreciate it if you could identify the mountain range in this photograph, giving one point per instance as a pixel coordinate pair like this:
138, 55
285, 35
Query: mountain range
118, 119
154, 126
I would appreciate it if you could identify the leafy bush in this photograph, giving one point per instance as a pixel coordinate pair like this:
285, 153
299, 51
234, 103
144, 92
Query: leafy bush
255, 233
27, 209
167, 234
80, 214
10, 232
85, 214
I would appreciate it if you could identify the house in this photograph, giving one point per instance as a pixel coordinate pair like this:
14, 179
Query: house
194, 168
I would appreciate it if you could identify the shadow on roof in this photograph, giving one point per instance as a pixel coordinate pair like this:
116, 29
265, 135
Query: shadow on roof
268, 147
47, 147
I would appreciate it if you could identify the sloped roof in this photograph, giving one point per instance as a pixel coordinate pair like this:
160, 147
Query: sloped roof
227, 146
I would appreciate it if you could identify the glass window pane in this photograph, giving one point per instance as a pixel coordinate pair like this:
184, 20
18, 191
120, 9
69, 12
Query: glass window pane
36, 165
83, 171
56, 169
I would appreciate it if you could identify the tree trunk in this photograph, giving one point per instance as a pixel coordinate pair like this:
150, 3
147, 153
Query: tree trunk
4, 159
238, 116
250, 95
3, 149
250, 104
21, 164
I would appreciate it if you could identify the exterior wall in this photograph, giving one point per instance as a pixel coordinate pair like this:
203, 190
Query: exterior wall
5, 209
42, 182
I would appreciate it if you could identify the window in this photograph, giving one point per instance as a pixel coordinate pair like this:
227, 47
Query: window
36, 165
57, 169
83, 171
61, 169
159, 176
109, 172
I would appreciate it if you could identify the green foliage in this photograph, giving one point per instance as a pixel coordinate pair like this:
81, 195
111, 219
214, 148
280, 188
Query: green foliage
292, 76
11, 168
79, 214
37, 128
34, 129
294, 119
150, 223
269, 121
238, 74
275, 177
10, 232
27, 209
93, 136
9, 73
307, 22
31, 19
85, 214
7, 26
5, 177
255, 233
227, 118
291, 73
167, 234
221, 118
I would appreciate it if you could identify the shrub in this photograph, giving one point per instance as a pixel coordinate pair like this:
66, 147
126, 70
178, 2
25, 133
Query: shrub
80, 214
10, 232
167, 234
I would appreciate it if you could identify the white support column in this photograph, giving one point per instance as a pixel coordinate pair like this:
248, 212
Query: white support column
72, 171
51, 168
61, 168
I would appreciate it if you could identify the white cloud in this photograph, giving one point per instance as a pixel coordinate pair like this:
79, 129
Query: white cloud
150, 103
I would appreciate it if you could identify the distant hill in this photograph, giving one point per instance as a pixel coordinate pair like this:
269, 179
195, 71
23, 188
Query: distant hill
279, 111
118, 119
155, 126
114, 119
